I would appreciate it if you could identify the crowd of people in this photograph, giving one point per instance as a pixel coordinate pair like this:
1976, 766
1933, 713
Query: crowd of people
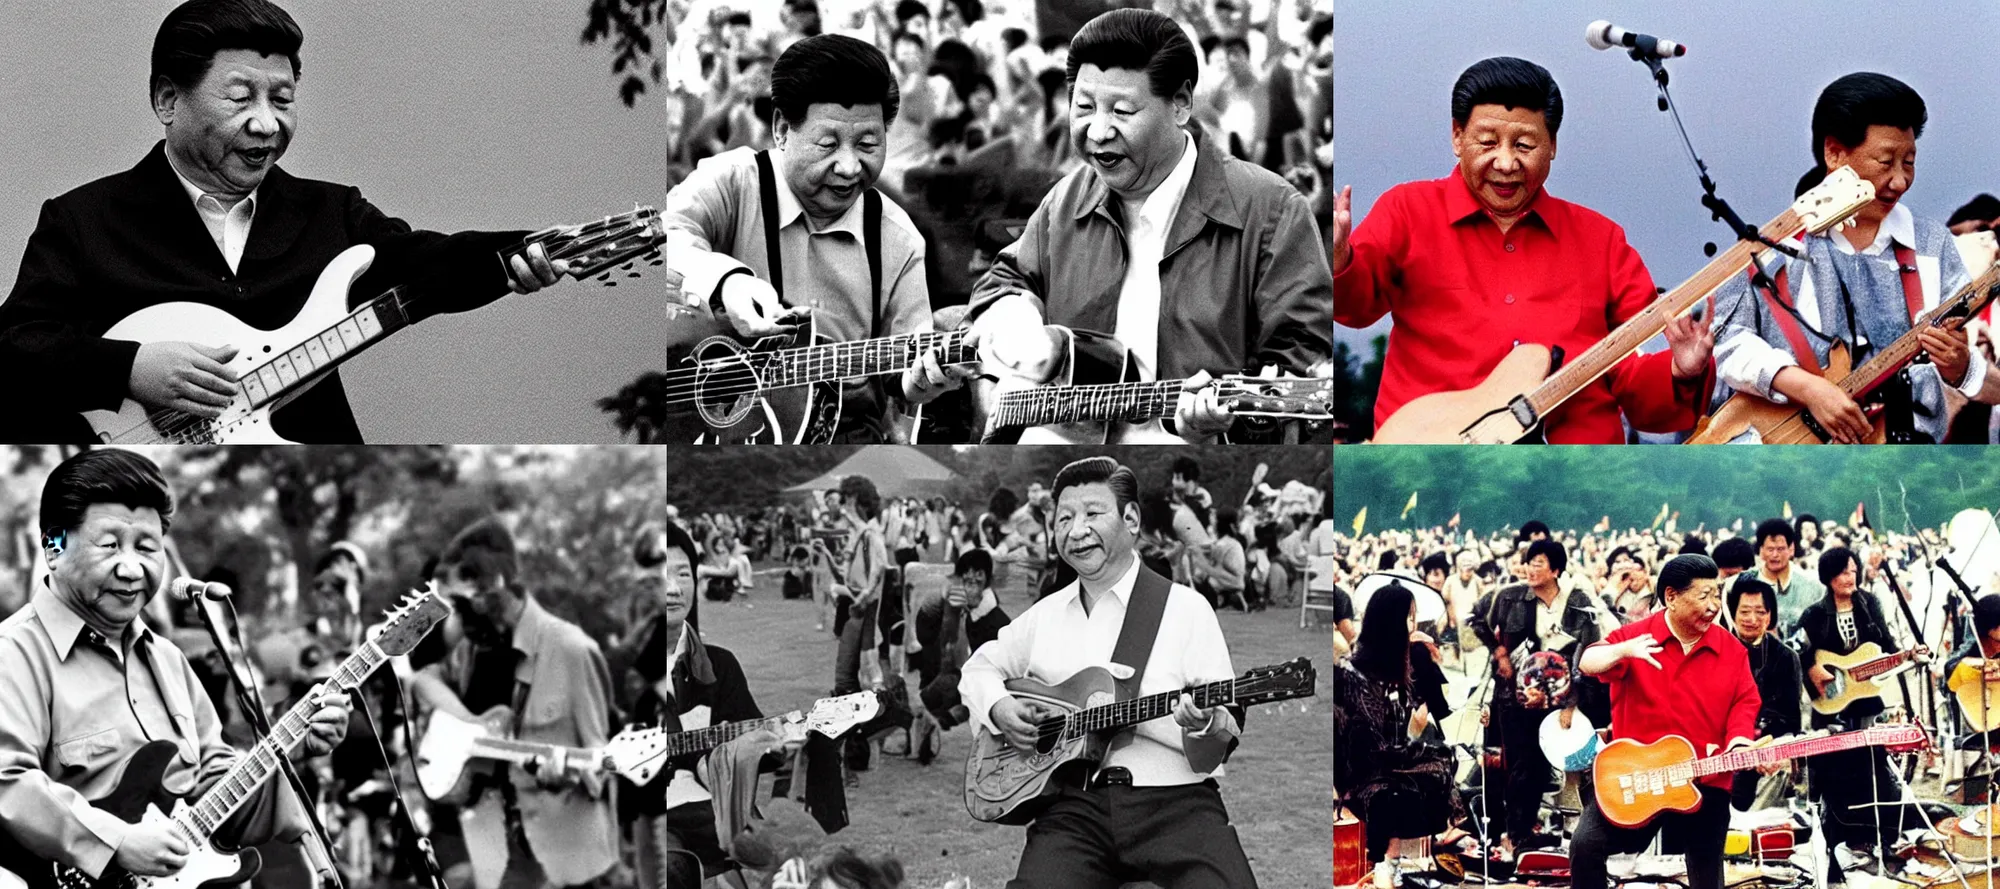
1527, 624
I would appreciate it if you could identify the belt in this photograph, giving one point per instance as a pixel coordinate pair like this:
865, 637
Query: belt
1115, 776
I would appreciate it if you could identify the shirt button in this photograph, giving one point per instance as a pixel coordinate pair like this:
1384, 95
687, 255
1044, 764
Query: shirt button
1510, 248
1510, 299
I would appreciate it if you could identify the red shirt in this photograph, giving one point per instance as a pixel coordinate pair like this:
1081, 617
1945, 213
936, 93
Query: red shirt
1463, 295
1705, 694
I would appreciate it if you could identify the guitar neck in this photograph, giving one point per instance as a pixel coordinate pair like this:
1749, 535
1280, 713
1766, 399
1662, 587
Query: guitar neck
860, 358
1599, 359
1878, 666
523, 752
279, 378
253, 767
1150, 707
1132, 402
1973, 297
701, 740
1752, 757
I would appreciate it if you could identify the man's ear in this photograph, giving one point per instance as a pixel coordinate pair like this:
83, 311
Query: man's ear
166, 100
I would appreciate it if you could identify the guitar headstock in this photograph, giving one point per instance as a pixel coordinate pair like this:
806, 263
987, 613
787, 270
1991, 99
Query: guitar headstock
1281, 682
1834, 201
638, 754
412, 619
1899, 737
1279, 397
593, 248
833, 716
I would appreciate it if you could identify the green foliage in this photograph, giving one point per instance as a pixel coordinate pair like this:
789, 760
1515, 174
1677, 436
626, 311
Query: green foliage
627, 25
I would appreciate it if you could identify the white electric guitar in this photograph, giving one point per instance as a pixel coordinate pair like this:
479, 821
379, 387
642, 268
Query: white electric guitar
450, 742
275, 366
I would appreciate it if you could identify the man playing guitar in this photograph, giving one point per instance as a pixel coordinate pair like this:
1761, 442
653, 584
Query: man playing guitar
1151, 810
207, 216
1674, 673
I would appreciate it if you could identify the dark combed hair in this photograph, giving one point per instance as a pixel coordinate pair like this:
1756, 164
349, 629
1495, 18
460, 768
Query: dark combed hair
1752, 586
484, 551
1833, 562
656, 540
1981, 208
1100, 470
1770, 528
974, 560
1735, 553
1852, 104
1188, 468
858, 490
1510, 83
195, 31
1434, 562
1547, 546
1382, 651
835, 69
1680, 572
1137, 40
117, 477
1531, 529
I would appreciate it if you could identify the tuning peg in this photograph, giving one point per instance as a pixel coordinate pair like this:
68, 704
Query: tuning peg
604, 277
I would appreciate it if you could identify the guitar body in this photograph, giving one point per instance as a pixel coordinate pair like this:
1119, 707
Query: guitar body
1096, 359
207, 325
448, 746
1004, 785
140, 798
1845, 689
1478, 415
1745, 417
1629, 802
1978, 700
732, 404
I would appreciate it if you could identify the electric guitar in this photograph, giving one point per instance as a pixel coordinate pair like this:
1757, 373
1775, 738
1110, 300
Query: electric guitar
1005, 786
1107, 403
1747, 417
273, 367
140, 797
781, 389
1856, 674
1636, 782
1515, 399
450, 742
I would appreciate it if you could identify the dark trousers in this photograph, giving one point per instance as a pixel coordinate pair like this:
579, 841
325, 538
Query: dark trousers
1529, 774
1178, 837
1698, 835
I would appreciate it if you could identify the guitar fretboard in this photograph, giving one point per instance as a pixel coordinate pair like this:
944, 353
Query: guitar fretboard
1071, 404
522, 751
859, 358
222, 800
1971, 298
700, 740
1147, 708
1879, 665
281, 376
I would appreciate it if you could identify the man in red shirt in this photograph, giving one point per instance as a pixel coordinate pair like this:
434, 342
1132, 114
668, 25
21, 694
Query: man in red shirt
1673, 673
1473, 264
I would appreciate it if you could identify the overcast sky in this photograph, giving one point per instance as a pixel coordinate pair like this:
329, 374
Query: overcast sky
451, 114
1745, 90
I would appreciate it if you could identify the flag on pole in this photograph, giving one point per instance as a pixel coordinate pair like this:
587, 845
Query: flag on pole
1673, 521
1360, 518
1408, 506
1860, 522
1736, 526
1603, 525
1658, 518
1454, 520
1788, 510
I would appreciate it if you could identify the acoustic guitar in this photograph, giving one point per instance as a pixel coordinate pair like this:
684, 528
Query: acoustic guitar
1856, 674
1006, 786
273, 367
1515, 399
1978, 697
141, 798
1636, 782
1748, 418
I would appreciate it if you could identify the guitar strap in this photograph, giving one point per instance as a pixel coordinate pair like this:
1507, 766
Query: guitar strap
1142, 626
1783, 310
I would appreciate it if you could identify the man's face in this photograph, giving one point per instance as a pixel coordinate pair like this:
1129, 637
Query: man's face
1435, 577
1776, 553
1092, 531
834, 153
1538, 571
1131, 137
1752, 618
1504, 155
228, 131
1038, 495
1238, 60
482, 609
1728, 573
1844, 582
676, 579
1887, 158
1695, 608
111, 563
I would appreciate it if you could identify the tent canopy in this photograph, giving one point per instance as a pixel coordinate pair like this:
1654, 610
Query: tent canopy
896, 470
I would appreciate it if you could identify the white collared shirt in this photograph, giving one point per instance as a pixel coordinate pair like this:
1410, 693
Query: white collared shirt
1146, 232
1054, 639
682, 786
228, 227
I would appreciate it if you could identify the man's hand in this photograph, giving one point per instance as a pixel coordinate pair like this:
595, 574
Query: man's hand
1565, 716
753, 309
1835, 412
1820, 677
1503, 666
791, 876
1198, 416
1692, 342
1012, 337
530, 270
549, 775
930, 377
1950, 350
1343, 228
152, 850
1420, 719
1207, 720
1533, 698
1016, 720
328, 726
186, 377
1643, 647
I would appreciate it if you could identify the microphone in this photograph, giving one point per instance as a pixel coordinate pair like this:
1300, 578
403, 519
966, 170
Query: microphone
1601, 34
185, 588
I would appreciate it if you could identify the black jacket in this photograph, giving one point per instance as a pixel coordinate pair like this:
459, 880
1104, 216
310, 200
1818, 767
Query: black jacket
1820, 631
1506, 618
1780, 684
133, 240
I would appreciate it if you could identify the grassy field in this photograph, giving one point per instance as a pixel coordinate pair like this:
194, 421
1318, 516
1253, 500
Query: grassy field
1278, 789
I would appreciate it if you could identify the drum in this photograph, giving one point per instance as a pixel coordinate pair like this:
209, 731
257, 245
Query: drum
1569, 749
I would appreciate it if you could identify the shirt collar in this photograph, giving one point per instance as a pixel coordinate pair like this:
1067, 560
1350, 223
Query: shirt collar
65, 626
528, 630
1899, 227
195, 194
790, 210
1460, 204
1121, 589
1164, 203
1658, 629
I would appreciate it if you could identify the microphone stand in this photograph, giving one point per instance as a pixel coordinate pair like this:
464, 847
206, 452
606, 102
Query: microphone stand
318, 847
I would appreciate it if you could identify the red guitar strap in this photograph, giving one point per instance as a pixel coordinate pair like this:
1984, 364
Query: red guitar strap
1913, 285
1143, 613
1782, 311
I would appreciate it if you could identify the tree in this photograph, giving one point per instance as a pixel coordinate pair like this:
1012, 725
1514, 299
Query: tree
628, 26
